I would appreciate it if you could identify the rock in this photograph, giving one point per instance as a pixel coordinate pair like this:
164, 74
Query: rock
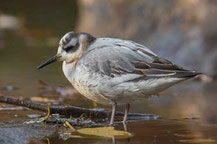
19, 133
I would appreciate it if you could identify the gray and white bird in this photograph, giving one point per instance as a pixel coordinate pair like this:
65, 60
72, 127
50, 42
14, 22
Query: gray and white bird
110, 70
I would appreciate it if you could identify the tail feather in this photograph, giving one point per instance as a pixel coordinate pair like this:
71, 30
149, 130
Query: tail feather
187, 74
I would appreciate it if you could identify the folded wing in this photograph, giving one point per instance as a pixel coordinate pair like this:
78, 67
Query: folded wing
121, 57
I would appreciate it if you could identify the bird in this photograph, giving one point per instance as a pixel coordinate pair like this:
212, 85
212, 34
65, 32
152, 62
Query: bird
113, 71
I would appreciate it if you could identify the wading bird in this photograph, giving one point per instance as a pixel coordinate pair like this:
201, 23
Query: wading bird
110, 71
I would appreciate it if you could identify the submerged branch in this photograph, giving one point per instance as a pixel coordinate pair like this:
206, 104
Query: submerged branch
63, 110
54, 109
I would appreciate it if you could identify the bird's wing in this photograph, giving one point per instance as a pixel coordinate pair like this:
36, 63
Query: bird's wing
121, 57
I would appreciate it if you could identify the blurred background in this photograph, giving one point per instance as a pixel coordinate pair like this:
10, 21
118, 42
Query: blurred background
182, 31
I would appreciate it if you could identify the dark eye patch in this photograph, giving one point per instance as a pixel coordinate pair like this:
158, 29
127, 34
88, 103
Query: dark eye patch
71, 48
67, 49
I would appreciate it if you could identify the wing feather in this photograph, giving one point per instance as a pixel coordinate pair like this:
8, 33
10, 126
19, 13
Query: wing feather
116, 57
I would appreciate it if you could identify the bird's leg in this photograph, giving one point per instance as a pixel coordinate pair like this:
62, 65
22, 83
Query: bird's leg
114, 105
126, 112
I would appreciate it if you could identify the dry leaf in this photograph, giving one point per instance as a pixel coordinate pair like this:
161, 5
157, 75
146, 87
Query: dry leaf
69, 125
48, 114
201, 140
100, 132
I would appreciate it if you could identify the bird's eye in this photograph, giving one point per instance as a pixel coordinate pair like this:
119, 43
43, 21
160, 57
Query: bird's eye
71, 48
68, 48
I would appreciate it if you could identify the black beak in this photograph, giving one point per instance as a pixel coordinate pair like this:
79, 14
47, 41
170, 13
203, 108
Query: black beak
51, 60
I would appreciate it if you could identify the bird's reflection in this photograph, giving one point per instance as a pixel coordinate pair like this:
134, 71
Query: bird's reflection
125, 126
124, 141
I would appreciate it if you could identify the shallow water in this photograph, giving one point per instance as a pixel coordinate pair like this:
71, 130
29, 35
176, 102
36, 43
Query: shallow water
188, 110
165, 131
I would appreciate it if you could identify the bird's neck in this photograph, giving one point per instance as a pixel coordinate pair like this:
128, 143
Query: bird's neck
68, 70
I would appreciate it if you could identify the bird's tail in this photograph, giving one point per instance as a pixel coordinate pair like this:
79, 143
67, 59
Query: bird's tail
187, 74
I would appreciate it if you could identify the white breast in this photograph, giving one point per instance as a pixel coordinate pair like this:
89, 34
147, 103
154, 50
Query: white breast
85, 83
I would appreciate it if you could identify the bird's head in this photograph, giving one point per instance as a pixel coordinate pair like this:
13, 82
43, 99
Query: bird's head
71, 47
